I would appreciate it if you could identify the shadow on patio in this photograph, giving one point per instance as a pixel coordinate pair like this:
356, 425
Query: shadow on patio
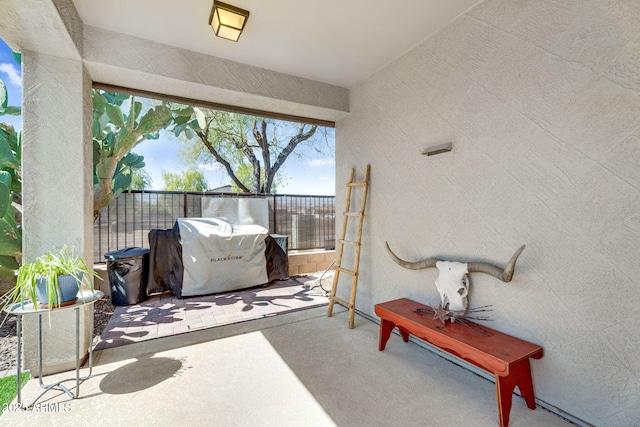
164, 315
300, 368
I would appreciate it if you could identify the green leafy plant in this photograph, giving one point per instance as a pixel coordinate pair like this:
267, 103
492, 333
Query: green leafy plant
120, 123
10, 190
47, 269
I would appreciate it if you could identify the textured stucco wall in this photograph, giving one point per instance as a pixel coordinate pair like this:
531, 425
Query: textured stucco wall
52, 27
57, 154
128, 61
542, 101
57, 186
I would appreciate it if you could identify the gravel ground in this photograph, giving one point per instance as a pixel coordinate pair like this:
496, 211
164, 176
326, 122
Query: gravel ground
103, 309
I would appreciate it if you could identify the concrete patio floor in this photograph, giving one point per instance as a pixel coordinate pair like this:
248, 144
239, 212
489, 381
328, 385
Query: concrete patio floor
297, 369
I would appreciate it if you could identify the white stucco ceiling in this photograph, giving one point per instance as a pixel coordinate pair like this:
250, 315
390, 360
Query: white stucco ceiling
340, 42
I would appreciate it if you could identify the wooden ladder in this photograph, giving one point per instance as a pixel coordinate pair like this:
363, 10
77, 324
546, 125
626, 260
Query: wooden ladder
356, 244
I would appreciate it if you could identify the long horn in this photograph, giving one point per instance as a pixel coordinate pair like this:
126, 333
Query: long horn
419, 265
505, 275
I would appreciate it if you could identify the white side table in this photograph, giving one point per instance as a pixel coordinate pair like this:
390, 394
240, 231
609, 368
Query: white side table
27, 309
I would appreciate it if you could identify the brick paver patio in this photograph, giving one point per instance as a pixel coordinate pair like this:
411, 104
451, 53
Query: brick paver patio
165, 315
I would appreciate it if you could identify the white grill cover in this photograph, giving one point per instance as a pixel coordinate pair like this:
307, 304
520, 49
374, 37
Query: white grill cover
219, 257
238, 211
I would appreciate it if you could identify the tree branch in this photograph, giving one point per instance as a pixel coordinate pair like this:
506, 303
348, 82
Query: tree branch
203, 137
295, 140
261, 137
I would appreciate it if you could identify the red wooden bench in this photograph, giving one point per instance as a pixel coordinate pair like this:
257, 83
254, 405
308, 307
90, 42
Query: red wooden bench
502, 355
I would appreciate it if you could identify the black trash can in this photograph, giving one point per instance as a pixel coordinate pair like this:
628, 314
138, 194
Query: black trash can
128, 274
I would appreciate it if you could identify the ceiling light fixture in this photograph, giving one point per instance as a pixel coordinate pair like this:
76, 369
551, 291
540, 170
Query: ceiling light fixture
227, 21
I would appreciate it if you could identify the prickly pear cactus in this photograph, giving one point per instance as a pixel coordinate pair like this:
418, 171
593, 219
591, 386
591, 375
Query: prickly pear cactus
10, 190
119, 125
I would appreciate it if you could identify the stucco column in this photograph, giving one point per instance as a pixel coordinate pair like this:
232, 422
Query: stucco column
57, 186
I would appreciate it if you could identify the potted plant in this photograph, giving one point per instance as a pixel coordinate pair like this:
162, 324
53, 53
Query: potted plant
53, 279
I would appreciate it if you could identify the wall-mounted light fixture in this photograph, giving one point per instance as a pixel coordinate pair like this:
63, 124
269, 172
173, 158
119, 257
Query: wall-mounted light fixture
438, 149
227, 21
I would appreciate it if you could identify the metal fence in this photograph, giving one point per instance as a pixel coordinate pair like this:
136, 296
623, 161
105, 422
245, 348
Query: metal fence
308, 221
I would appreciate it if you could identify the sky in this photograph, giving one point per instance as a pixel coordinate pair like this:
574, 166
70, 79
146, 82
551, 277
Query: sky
312, 173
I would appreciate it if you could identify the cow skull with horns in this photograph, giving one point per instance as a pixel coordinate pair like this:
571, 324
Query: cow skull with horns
453, 280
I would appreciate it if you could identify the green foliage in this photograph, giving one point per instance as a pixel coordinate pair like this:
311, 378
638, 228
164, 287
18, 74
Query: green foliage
8, 390
17, 56
245, 174
10, 189
125, 168
120, 123
140, 179
48, 267
4, 97
250, 149
191, 180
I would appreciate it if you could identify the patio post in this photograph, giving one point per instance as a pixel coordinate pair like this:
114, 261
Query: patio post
57, 187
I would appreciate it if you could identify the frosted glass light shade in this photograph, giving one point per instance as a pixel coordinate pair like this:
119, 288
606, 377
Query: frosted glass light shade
227, 21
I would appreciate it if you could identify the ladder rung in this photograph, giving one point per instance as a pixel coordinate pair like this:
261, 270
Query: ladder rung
344, 270
342, 302
356, 243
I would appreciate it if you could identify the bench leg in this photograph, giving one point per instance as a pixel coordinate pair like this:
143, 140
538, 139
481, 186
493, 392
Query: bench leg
522, 370
386, 326
504, 394
519, 375
404, 334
